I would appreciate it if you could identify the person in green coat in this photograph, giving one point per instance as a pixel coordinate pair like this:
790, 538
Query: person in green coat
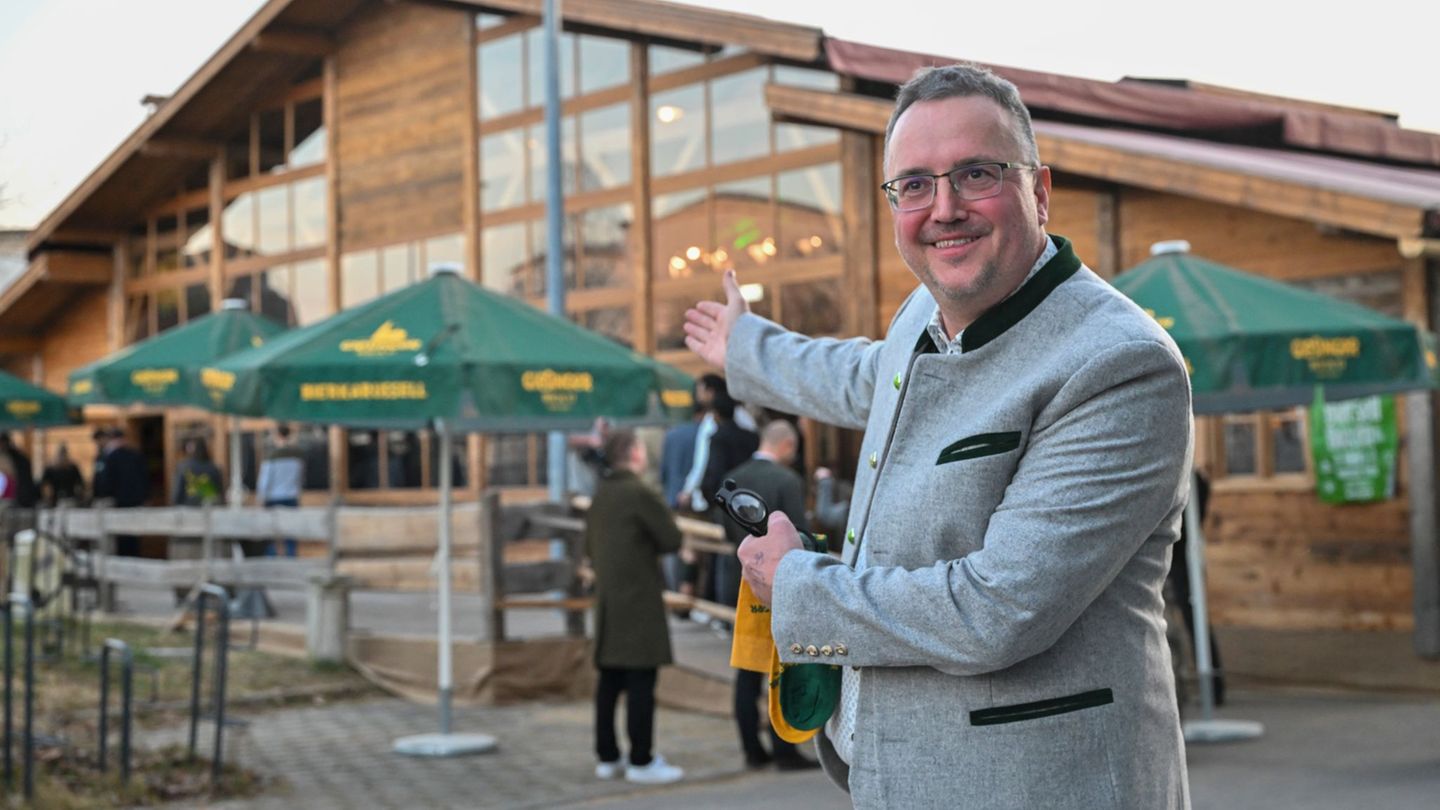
627, 531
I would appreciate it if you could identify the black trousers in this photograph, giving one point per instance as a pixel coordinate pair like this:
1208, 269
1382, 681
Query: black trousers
639, 688
747, 721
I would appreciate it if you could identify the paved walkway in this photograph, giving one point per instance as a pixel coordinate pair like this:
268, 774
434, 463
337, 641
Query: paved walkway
1377, 749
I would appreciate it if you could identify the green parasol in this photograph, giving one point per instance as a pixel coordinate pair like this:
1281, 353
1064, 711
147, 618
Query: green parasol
1251, 343
23, 405
446, 348
165, 369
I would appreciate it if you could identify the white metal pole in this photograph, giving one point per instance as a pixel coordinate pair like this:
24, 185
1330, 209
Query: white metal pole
554, 230
444, 567
237, 487
1207, 728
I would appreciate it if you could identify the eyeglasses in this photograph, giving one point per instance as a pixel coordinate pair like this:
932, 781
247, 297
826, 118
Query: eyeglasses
978, 181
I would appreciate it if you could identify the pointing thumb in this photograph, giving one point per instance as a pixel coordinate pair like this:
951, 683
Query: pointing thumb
733, 298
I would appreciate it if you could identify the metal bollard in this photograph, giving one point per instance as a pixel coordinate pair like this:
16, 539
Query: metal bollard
127, 673
222, 600
22, 601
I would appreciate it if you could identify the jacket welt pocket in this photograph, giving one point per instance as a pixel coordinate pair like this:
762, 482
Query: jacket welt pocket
1041, 708
981, 444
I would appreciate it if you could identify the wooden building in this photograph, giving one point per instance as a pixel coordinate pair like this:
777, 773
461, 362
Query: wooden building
331, 150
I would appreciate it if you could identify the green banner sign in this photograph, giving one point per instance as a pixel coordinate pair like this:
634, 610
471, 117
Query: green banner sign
1354, 443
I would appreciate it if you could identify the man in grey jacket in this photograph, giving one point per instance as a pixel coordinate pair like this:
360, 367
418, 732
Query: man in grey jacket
997, 604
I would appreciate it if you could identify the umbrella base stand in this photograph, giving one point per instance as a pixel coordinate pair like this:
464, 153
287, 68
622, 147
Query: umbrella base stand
1219, 731
444, 745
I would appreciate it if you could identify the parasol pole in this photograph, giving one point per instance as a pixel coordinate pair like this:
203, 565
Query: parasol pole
237, 487
554, 236
1208, 728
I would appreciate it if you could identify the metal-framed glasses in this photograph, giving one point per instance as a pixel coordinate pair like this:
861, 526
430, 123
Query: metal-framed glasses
978, 181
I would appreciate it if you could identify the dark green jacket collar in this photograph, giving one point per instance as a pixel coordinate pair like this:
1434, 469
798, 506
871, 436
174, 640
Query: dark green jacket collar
1012, 310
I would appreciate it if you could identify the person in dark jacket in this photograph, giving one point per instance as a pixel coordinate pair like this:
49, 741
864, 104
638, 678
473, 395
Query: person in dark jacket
27, 495
61, 480
628, 529
121, 476
768, 474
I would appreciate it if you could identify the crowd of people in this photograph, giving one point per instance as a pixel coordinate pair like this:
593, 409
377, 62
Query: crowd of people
631, 532
121, 479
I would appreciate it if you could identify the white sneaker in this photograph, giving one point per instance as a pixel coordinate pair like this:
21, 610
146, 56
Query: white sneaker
609, 770
658, 772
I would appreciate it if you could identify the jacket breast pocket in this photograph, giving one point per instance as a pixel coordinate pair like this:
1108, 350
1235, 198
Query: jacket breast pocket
979, 445
1020, 712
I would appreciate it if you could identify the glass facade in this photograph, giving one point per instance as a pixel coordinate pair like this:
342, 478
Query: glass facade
728, 189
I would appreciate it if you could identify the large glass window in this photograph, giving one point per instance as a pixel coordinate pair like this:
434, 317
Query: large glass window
309, 212
309, 139
664, 59
604, 62
535, 56
811, 220
238, 225
504, 251
310, 292
679, 222
539, 159
540, 249
198, 238
273, 207
272, 141
359, 278
502, 170
605, 148
605, 246
738, 117
502, 88
677, 131
744, 226
399, 267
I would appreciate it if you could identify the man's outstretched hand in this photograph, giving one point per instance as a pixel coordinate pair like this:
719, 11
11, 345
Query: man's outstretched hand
708, 323
760, 556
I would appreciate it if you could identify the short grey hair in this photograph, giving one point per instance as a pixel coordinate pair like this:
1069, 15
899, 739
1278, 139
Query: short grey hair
960, 81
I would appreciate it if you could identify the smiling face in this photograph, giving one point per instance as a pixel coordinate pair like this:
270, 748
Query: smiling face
970, 254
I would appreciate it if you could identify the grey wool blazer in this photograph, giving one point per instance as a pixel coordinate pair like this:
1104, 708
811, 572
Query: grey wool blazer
1017, 503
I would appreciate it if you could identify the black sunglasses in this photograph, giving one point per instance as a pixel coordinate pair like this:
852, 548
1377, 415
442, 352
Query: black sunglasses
748, 509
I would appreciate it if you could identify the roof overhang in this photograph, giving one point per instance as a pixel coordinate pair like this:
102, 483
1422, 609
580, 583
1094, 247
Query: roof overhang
49, 282
191, 126
678, 23
1395, 202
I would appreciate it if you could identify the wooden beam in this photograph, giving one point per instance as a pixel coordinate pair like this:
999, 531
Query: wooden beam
87, 236
861, 256
182, 148
1133, 167
294, 42
642, 319
16, 344
679, 22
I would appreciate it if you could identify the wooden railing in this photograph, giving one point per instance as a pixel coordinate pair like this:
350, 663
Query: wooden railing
500, 551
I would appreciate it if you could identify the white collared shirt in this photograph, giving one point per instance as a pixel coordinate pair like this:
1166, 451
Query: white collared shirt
936, 328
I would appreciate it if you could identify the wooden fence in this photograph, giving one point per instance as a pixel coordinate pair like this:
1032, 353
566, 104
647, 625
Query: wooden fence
500, 551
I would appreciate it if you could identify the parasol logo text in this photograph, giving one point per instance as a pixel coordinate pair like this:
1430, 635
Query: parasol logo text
383, 390
154, 380
82, 387
677, 398
23, 408
559, 390
1325, 356
218, 383
387, 339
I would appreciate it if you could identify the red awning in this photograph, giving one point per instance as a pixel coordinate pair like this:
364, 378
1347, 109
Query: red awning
1168, 108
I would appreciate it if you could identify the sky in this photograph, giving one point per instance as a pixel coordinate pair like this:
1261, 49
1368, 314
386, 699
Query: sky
72, 72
